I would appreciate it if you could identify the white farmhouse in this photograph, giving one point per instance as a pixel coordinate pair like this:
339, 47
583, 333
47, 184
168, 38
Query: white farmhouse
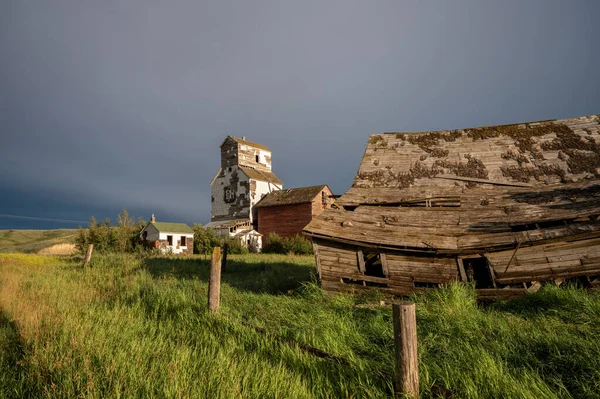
176, 238
244, 178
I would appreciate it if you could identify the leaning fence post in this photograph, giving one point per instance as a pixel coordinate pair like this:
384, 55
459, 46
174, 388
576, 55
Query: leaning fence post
214, 284
88, 255
405, 344
224, 261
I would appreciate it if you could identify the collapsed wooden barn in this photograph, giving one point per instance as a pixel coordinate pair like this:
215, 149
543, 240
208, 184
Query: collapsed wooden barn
507, 207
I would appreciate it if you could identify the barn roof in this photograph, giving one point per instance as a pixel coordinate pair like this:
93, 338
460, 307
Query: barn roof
245, 142
167, 227
261, 175
291, 196
225, 224
472, 188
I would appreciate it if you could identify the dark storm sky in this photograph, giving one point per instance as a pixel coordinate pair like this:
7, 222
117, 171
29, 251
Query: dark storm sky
107, 105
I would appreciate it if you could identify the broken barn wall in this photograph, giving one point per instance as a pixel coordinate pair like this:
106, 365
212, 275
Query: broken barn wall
544, 262
340, 269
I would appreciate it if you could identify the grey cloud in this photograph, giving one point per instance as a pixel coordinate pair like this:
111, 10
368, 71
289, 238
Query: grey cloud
127, 102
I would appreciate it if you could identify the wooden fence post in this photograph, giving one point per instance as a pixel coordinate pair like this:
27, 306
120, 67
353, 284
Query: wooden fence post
88, 255
214, 284
224, 261
405, 344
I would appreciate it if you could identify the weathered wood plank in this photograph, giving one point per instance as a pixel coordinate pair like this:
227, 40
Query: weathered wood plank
214, 285
357, 276
384, 264
405, 344
317, 258
461, 269
484, 181
342, 263
361, 261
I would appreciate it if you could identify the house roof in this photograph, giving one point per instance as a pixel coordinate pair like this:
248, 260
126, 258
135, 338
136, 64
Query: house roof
261, 175
251, 232
291, 196
167, 227
225, 224
245, 142
472, 189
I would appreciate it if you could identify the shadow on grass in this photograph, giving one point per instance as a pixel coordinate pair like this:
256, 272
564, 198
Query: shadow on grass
13, 380
258, 276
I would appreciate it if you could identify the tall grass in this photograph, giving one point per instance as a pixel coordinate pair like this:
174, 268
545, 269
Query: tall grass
64, 249
32, 241
131, 327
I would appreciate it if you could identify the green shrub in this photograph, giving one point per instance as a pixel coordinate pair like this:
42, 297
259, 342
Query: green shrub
82, 239
205, 239
298, 245
122, 238
274, 244
234, 246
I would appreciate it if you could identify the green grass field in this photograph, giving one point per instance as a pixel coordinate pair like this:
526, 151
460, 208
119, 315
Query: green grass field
31, 241
139, 328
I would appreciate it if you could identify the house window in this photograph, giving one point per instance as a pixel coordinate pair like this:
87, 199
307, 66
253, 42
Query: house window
257, 158
145, 235
323, 197
170, 240
212, 198
183, 243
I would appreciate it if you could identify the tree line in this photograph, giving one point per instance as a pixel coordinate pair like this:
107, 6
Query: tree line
125, 237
